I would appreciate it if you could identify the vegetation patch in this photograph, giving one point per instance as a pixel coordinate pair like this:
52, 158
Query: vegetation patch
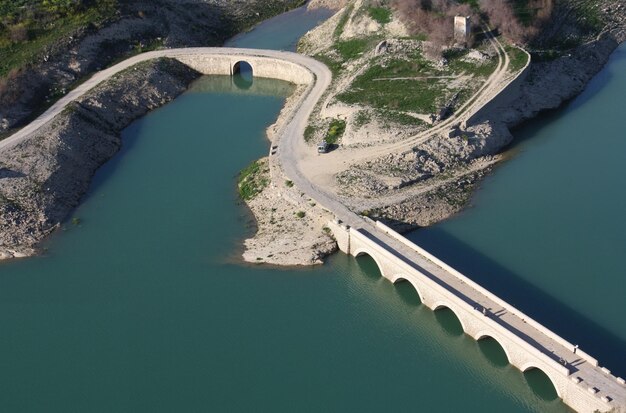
335, 131
457, 63
333, 65
28, 26
400, 118
402, 94
343, 20
351, 49
380, 14
253, 179
518, 58
309, 133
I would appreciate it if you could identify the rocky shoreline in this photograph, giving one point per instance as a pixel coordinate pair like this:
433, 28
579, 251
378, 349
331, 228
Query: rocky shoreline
548, 86
139, 25
43, 178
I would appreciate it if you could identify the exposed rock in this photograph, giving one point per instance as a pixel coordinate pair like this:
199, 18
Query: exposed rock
139, 24
44, 177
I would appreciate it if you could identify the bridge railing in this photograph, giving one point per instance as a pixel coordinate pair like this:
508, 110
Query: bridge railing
467, 307
530, 321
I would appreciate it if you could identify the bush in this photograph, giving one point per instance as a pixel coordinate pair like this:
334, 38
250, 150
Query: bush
381, 14
300, 214
335, 131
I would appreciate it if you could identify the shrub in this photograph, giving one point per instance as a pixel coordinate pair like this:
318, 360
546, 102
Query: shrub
381, 14
335, 131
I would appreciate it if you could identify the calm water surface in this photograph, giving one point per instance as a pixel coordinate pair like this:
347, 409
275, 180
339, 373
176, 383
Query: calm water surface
144, 306
547, 231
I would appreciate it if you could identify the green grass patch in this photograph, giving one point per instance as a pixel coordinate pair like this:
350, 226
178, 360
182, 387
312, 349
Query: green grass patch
457, 65
28, 26
524, 13
343, 20
351, 49
252, 180
588, 15
333, 65
362, 118
335, 131
380, 14
518, 58
408, 95
309, 133
400, 118
473, 4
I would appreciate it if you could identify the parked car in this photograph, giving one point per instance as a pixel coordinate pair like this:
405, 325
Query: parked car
322, 147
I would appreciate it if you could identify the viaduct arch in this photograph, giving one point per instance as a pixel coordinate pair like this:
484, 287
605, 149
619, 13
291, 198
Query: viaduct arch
243, 68
576, 376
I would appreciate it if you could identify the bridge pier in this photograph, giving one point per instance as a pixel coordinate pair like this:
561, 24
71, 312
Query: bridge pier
341, 232
576, 377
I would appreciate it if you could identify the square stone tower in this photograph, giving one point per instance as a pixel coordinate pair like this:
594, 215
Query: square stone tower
462, 28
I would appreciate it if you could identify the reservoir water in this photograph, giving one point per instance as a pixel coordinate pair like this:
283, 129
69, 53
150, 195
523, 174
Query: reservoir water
145, 306
547, 231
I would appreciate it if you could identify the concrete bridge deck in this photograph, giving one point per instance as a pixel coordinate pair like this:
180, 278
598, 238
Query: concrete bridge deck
576, 376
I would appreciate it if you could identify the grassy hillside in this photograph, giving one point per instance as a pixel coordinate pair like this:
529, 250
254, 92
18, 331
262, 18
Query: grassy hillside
27, 26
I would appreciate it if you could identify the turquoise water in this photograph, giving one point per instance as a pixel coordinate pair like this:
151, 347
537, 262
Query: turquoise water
547, 230
145, 306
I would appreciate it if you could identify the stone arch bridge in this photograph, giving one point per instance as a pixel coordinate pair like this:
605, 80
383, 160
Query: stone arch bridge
576, 376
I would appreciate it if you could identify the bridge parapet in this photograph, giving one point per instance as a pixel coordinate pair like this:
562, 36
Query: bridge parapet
527, 344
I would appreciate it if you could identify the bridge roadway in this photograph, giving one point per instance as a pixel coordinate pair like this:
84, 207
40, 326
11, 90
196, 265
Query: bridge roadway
578, 379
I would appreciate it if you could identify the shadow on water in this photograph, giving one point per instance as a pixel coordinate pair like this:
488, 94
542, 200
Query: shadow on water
449, 321
130, 136
540, 384
549, 311
407, 293
243, 82
368, 267
531, 128
493, 352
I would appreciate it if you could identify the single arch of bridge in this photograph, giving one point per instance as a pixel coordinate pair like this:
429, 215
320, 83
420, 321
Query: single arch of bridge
533, 366
243, 68
442, 305
401, 279
363, 252
486, 335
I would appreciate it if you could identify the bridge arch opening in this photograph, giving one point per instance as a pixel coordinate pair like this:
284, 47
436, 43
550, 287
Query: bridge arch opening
243, 74
540, 383
493, 350
408, 291
369, 264
449, 320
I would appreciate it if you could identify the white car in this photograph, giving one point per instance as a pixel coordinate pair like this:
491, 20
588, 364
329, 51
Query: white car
322, 147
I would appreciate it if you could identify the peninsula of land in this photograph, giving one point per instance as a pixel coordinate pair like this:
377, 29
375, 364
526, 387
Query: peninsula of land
391, 159
397, 155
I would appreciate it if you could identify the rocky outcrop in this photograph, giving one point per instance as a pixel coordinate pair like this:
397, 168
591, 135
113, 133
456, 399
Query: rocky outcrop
550, 84
44, 176
139, 25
